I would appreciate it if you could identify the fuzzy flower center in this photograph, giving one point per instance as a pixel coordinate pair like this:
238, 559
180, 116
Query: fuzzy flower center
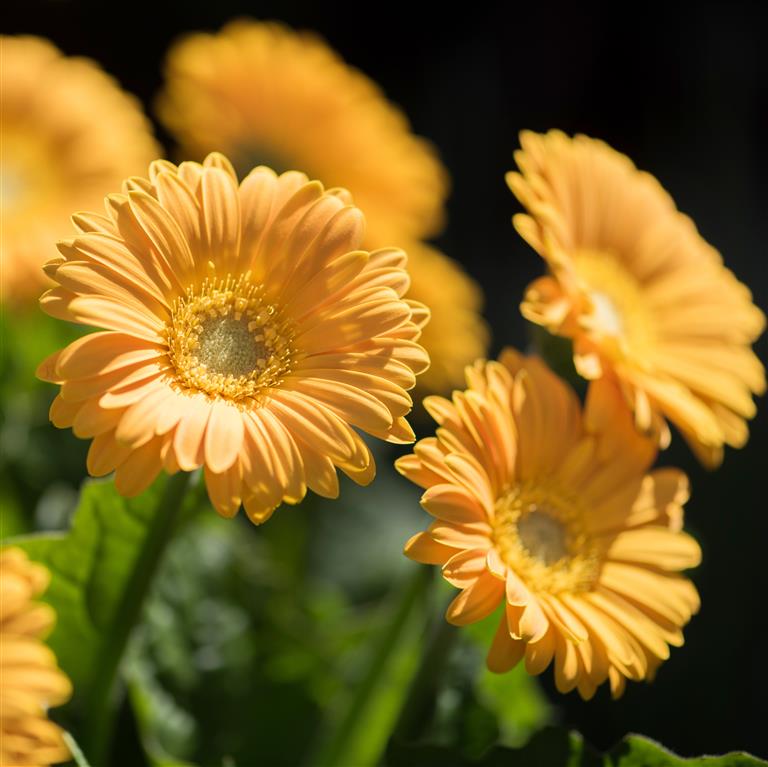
539, 535
617, 313
606, 315
542, 535
227, 341
227, 347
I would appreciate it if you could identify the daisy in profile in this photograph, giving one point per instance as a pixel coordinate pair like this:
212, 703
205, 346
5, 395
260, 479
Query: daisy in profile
244, 331
68, 135
551, 511
645, 299
30, 680
263, 93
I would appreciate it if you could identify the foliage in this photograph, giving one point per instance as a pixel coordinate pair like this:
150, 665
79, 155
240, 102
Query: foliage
556, 747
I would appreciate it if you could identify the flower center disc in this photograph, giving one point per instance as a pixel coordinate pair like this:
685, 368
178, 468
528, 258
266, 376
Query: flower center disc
540, 536
227, 347
619, 312
225, 340
607, 316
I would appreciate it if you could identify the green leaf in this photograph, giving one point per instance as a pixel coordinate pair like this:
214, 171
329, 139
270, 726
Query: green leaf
518, 702
154, 710
157, 711
555, 747
101, 571
639, 751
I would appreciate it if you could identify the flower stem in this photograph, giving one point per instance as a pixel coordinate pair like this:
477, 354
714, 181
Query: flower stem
77, 755
359, 735
104, 696
418, 706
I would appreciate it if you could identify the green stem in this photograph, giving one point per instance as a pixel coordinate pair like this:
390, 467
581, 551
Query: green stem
77, 755
104, 697
419, 704
359, 735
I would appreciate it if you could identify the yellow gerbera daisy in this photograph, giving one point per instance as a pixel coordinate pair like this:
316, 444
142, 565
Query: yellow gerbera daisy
30, 680
68, 135
244, 332
456, 333
643, 296
260, 92
552, 512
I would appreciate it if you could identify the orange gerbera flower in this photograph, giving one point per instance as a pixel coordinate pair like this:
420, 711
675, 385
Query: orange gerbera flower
645, 299
552, 512
264, 93
244, 332
30, 680
68, 135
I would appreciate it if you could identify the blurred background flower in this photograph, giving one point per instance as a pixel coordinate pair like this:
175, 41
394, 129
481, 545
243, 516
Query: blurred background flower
643, 297
69, 134
266, 95
30, 681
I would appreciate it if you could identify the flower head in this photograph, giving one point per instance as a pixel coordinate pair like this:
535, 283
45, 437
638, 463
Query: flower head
69, 135
244, 331
644, 297
30, 680
551, 512
262, 93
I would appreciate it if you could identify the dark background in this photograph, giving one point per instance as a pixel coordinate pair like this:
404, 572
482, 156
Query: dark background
684, 92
